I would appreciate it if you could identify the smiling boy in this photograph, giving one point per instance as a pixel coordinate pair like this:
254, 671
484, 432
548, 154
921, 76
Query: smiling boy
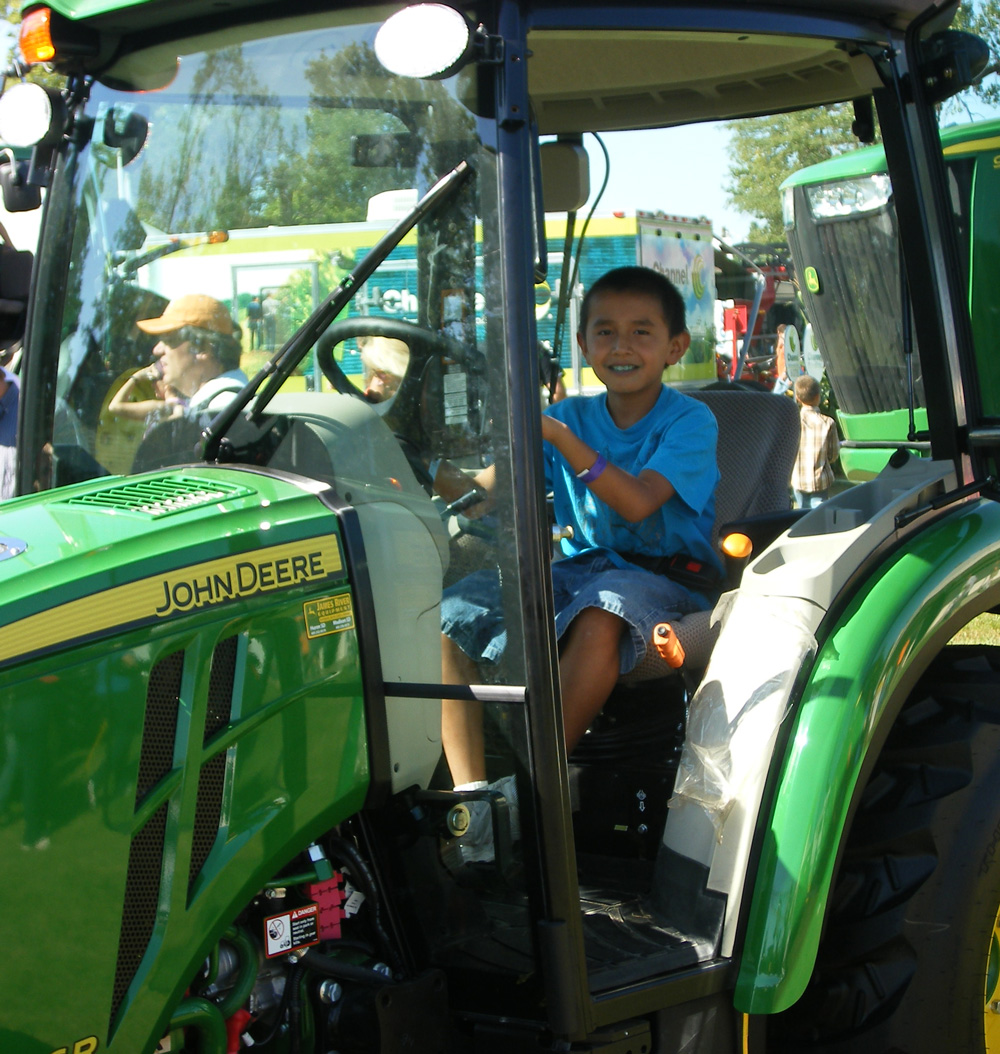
633, 472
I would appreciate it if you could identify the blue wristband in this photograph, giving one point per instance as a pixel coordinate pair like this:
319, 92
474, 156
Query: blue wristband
588, 475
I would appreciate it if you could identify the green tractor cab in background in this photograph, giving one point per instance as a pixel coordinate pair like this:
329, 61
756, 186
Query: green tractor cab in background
842, 229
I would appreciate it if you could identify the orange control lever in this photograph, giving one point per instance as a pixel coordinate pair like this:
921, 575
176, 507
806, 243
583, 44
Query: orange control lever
666, 643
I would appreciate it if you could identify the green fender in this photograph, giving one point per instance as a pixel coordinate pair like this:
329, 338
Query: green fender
898, 620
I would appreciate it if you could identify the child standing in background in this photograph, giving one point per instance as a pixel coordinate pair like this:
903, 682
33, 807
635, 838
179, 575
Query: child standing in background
819, 446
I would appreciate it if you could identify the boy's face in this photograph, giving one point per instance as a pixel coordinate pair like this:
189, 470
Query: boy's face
628, 344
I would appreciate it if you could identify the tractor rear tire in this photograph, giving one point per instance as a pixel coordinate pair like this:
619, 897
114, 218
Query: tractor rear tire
909, 960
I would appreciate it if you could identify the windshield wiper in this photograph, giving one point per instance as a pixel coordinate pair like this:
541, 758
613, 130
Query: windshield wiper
280, 366
127, 268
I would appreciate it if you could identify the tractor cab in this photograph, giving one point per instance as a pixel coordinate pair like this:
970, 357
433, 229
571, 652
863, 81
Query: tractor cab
285, 312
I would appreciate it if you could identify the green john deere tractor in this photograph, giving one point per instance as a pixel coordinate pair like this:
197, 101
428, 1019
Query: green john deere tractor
221, 778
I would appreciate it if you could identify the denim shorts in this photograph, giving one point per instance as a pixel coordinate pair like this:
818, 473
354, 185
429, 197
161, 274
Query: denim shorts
471, 613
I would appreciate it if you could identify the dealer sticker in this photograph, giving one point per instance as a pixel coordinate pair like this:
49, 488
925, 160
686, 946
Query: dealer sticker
328, 615
293, 929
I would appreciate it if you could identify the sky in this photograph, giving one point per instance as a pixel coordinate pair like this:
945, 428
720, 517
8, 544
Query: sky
682, 174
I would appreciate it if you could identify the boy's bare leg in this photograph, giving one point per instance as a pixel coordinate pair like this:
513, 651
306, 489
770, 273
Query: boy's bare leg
588, 668
461, 719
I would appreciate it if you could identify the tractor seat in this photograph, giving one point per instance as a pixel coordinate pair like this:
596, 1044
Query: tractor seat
757, 446
15, 279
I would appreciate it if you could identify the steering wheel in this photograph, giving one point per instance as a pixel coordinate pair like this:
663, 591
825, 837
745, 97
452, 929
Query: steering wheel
423, 344
406, 413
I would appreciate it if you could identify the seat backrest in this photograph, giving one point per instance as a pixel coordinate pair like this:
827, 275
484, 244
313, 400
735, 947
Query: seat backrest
758, 442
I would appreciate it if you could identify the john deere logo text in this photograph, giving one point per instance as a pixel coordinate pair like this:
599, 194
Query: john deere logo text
158, 596
227, 580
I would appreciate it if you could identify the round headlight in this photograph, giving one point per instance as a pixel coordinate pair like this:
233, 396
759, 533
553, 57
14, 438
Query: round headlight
31, 114
426, 41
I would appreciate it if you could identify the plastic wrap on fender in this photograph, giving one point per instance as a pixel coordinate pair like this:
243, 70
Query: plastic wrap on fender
737, 710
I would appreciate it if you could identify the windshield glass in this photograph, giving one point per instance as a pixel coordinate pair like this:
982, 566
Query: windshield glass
257, 184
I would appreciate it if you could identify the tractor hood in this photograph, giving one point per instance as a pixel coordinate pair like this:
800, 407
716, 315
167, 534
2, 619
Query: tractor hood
113, 553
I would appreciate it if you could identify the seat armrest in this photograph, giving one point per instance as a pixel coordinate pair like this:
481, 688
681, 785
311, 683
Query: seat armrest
762, 531
764, 528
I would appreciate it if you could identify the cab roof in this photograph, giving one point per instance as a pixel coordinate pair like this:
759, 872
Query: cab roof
722, 62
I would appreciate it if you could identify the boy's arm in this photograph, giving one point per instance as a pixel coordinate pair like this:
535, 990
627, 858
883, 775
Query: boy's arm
832, 442
632, 497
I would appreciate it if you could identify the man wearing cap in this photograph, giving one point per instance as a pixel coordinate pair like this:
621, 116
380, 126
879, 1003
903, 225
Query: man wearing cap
199, 351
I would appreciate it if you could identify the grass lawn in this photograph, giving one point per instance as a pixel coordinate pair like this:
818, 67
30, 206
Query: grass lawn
983, 629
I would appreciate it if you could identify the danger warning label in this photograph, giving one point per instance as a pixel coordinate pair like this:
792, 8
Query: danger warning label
293, 929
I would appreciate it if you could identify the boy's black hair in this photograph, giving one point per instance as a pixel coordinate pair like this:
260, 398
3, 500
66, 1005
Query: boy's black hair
645, 281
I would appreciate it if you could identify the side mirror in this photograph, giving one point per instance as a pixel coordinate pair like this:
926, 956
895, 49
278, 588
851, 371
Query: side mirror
18, 194
565, 175
951, 61
120, 136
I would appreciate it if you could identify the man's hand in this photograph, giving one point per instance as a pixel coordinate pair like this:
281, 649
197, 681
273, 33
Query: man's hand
452, 484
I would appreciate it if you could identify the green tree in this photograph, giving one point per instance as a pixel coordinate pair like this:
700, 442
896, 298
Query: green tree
213, 175
297, 291
765, 150
352, 101
10, 13
337, 116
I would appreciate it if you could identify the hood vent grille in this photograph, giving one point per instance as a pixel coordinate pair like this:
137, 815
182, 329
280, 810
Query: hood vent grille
161, 497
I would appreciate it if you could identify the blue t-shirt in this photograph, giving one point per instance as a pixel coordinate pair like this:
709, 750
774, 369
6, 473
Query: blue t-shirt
677, 439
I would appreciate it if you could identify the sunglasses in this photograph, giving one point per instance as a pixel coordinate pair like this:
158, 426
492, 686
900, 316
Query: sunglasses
172, 340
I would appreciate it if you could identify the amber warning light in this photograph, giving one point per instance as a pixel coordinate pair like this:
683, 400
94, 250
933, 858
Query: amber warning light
35, 39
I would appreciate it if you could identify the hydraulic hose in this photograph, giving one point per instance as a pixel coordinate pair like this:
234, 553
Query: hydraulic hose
247, 976
205, 1016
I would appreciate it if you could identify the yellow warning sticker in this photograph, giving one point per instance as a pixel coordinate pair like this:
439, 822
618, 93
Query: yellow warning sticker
328, 615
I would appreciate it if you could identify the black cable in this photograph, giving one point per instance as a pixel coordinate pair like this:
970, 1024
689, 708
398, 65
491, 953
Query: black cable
292, 979
341, 847
566, 290
329, 966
